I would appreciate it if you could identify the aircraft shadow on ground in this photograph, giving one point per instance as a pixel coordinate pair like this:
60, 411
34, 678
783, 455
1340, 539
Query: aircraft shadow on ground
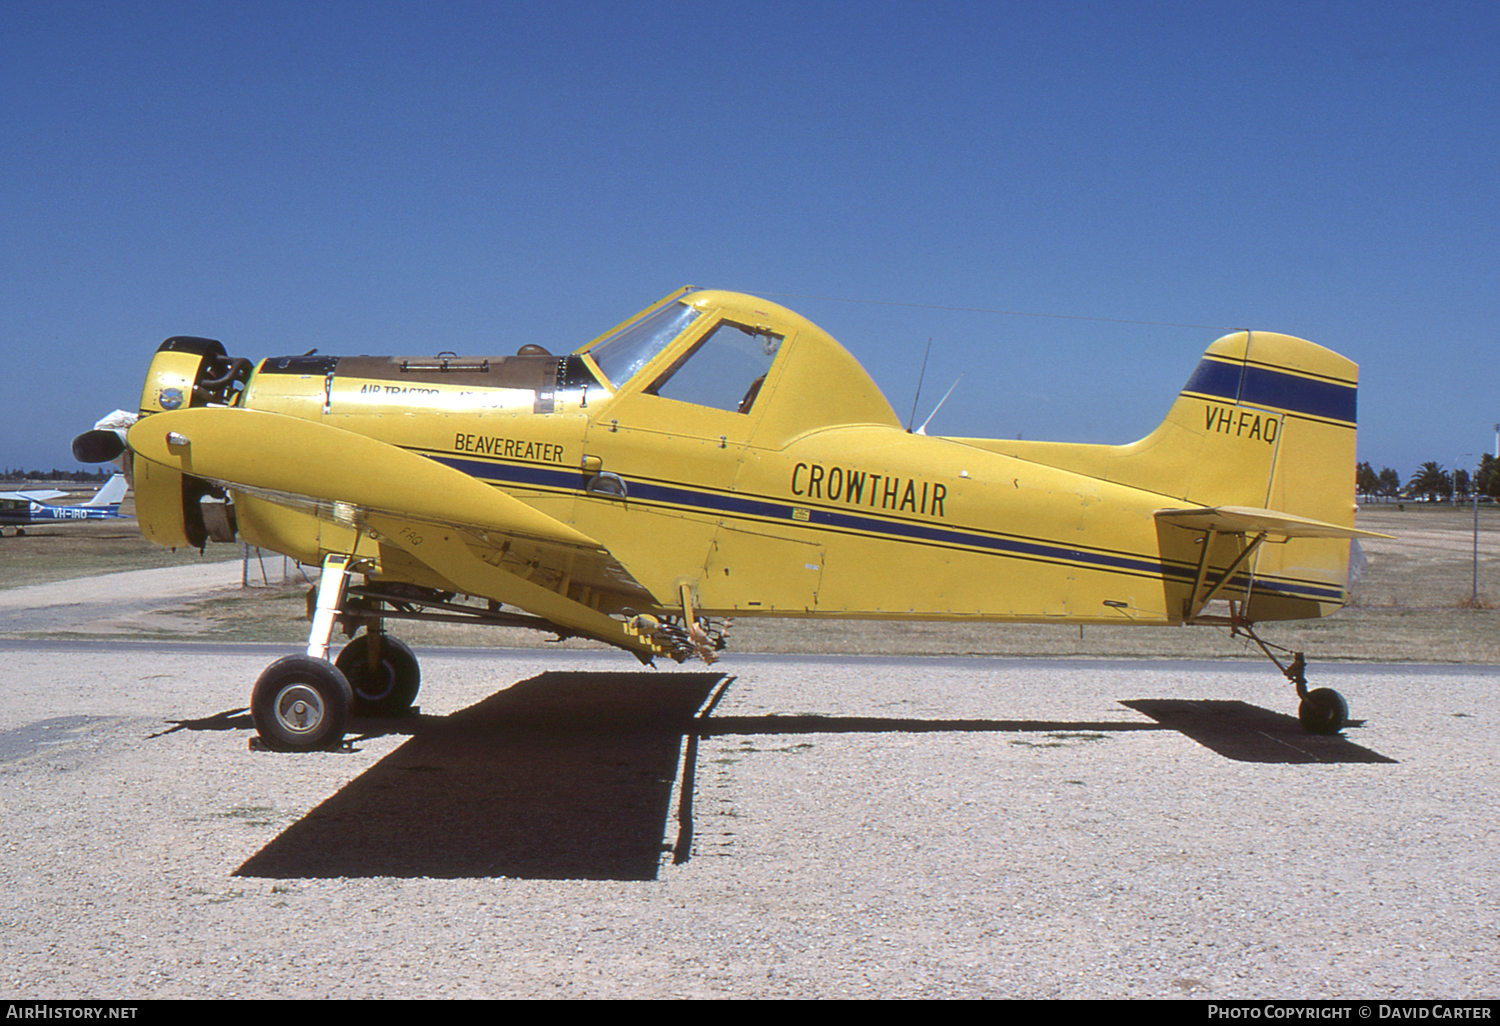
1247, 733
571, 776
565, 776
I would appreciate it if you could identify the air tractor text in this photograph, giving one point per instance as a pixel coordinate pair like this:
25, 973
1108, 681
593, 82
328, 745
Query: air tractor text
864, 488
1247, 424
509, 448
396, 390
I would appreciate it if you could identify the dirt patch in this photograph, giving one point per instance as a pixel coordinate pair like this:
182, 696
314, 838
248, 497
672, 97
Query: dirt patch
1436, 560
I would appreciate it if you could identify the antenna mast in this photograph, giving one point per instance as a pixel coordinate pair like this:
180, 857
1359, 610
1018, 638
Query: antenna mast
923, 373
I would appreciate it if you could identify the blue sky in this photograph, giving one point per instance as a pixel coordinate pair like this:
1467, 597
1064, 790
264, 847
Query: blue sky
404, 177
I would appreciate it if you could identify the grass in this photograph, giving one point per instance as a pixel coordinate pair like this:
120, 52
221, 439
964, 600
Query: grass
250, 815
1060, 739
45, 558
1413, 603
89, 548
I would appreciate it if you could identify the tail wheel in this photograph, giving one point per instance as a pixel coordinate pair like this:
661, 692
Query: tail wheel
385, 685
301, 704
1323, 711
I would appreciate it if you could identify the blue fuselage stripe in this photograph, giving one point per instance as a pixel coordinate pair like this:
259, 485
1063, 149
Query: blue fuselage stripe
60, 514
745, 506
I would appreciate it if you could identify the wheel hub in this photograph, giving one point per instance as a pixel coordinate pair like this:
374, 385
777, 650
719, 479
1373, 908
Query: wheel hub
299, 708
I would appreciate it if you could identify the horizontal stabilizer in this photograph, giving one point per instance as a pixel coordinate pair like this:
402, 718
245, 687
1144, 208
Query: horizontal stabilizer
1247, 520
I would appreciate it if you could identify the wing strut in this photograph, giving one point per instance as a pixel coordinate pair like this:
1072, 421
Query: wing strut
1195, 605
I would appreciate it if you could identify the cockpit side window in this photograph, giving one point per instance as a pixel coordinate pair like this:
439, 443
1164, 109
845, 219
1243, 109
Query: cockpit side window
725, 370
631, 348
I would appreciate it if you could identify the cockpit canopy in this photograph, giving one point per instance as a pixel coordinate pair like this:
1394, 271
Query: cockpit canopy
733, 352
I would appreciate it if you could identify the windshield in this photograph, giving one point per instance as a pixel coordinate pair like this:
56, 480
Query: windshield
630, 349
725, 370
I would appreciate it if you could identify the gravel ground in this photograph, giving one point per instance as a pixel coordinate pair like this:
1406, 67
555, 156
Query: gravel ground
853, 827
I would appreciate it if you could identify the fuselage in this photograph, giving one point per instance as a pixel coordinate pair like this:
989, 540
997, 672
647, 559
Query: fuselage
856, 520
728, 446
20, 512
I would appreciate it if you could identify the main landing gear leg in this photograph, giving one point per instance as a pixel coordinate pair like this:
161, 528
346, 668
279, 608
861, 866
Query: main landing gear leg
1322, 710
301, 703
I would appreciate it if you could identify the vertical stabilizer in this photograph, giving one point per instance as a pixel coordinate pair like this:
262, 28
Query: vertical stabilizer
1268, 421
109, 494
1275, 419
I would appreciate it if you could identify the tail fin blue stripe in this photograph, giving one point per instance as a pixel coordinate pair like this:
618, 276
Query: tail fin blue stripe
1263, 386
1326, 399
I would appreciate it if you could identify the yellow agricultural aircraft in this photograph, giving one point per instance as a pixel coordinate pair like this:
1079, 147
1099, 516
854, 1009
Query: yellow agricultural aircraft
719, 456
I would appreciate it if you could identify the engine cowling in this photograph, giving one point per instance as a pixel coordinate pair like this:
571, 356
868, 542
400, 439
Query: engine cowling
171, 506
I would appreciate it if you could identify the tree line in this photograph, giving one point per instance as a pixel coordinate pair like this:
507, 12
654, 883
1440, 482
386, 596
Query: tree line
1430, 482
75, 476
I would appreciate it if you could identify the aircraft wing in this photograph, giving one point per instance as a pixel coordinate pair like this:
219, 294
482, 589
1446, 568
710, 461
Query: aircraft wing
486, 542
1248, 520
41, 495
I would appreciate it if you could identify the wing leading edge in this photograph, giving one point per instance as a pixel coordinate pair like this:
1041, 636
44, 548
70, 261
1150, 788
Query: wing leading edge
486, 542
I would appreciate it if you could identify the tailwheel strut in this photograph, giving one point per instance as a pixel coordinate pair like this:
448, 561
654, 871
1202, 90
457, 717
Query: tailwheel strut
1321, 710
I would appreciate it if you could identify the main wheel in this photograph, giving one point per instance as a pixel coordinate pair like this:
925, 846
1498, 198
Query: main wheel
301, 704
389, 687
1323, 711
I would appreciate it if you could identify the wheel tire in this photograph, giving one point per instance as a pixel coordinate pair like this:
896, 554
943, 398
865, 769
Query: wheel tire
390, 686
1323, 711
301, 704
